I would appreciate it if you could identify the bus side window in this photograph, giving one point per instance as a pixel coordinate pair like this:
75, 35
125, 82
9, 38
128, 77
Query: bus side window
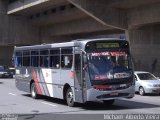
26, 58
66, 58
55, 58
44, 58
67, 61
54, 61
34, 61
35, 58
18, 59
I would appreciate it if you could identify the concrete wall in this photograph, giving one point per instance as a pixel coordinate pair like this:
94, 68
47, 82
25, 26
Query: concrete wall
145, 46
14, 30
21, 32
6, 53
76, 29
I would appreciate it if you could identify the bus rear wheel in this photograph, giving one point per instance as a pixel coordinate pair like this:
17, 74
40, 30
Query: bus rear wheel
108, 102
69, 98
34, 91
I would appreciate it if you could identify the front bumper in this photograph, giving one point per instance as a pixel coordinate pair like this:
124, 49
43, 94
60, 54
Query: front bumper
152, 90
96, 95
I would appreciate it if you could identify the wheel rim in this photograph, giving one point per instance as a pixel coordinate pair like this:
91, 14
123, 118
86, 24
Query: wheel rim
70, 97
141, 91
33, 91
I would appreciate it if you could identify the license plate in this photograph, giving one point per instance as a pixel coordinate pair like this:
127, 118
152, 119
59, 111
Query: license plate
114, 94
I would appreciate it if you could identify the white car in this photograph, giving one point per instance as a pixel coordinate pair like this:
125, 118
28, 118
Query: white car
146, 83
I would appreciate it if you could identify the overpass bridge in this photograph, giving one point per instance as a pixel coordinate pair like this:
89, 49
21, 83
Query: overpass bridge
28, 22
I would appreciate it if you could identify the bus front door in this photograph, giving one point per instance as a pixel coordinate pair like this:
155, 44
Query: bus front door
79, 79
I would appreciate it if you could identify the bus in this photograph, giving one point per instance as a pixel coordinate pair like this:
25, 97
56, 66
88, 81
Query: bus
78, 71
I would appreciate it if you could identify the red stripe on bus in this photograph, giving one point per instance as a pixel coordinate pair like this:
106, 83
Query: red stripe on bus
37, 84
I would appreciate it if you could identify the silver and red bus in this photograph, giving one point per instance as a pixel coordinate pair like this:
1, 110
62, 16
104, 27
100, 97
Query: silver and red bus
76, 71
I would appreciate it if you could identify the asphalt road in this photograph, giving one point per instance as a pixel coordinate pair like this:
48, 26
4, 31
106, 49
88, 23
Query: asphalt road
17, 103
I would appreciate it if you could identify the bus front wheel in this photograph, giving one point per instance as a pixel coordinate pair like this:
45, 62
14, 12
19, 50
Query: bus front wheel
34, 91
69, 98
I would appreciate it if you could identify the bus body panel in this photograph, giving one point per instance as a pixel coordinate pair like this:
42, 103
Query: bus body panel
57, 90
67, 76
51, 81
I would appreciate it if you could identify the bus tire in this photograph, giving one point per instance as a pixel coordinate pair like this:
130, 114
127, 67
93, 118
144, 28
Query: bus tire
34, 91
69, 97
108, 102
141, 91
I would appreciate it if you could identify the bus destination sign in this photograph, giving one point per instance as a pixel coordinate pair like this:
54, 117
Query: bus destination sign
107, 45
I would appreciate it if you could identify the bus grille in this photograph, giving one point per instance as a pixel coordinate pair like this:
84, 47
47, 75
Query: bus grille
112, 81
109, 95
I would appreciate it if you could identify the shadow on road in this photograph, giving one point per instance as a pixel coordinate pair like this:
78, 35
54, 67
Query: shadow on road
118, 105
1, 82
48, 99
149, 94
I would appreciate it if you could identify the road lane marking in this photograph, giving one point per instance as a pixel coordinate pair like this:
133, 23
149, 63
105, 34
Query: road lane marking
11, 94
49, 104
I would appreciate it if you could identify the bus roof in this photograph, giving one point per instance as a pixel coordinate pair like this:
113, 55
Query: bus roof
46, 46
73, 43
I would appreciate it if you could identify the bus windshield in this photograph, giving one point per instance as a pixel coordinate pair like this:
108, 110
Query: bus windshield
109, 65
